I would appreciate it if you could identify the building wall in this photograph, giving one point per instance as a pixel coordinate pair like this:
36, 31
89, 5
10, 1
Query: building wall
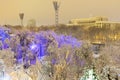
94, 21
87, 21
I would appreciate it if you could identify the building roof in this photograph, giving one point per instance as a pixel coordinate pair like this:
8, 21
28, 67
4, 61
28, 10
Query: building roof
89, 19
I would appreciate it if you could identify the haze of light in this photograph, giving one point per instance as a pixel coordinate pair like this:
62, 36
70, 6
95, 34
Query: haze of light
43, 12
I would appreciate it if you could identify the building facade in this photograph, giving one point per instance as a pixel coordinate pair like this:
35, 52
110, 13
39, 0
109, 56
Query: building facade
94, 21
86, 21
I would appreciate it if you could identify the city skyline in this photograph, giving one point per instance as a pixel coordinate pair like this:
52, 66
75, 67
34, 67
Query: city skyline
43, 12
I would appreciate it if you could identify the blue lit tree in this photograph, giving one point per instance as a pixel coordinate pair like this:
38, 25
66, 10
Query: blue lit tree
3, 36
30, 50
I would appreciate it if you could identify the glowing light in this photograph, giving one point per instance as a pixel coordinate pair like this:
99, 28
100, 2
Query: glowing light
89, 75
33, 46
5, 77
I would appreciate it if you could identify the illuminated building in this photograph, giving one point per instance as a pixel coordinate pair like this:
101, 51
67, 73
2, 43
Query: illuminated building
101, 28
93, 21
86, 21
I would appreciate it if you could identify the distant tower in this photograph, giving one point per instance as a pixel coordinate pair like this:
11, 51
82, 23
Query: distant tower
56, 5
21, 15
